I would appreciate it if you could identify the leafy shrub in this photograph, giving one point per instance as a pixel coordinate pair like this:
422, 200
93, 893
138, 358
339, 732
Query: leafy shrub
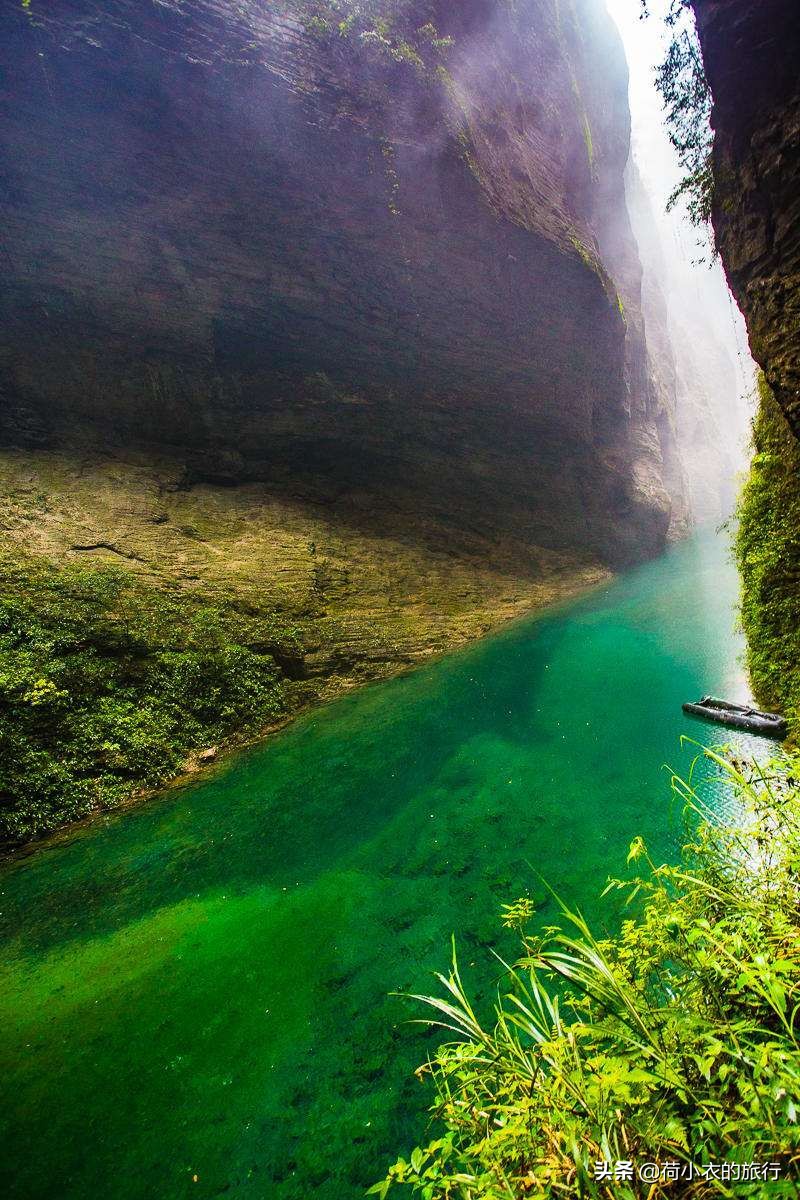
674, 1043
106, 682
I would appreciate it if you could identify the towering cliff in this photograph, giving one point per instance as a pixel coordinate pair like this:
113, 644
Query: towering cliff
750, 53
326, 310
686, 342
375, 257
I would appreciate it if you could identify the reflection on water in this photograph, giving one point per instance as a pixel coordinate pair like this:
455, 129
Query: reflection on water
200, 987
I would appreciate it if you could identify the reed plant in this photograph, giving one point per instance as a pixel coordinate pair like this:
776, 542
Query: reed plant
674, 1043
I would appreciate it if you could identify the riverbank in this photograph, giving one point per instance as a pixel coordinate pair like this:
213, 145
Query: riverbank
149, 619
217, 966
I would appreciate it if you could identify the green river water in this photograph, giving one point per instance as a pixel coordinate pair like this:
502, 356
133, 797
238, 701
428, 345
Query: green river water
201, 986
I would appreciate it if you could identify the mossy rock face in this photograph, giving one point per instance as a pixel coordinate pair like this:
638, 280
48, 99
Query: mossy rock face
107, 682
143, 620
768, 555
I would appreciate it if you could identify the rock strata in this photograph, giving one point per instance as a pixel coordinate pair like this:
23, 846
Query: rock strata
751, 52
374, 260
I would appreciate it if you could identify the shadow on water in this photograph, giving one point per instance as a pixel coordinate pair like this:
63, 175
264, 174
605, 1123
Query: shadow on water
200, 986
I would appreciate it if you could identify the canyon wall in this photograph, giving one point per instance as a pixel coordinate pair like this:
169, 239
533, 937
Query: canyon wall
690, 341
321, 351
373, 256
750, 53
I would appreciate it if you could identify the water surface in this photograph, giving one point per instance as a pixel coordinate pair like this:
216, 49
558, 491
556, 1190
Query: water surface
195, 998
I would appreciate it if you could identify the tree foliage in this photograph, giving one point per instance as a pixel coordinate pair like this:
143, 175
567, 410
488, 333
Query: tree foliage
681, 81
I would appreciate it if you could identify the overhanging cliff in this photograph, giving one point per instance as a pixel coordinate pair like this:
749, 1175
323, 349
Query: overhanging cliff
372, 255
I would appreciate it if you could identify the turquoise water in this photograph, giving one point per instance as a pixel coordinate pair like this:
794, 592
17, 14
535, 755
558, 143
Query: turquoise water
194, 998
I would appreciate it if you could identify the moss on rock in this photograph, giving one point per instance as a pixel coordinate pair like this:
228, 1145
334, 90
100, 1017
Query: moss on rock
106, 682
768, 555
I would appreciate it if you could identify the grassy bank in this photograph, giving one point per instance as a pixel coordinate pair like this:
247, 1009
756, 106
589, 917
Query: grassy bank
676, 1043
768, 556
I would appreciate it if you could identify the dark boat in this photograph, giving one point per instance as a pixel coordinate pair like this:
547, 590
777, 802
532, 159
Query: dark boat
740, 716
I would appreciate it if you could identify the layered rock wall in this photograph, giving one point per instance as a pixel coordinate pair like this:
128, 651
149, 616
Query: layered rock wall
376, 257
751, 53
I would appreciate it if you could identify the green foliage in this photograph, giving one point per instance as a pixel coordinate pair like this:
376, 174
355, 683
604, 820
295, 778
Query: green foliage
768, 556
582, 252
681, 80
107, 682
375, 26
673, 1043
516, 915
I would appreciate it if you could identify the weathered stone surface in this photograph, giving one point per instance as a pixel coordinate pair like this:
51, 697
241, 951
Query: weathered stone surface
368, 268
364, 603
751, 54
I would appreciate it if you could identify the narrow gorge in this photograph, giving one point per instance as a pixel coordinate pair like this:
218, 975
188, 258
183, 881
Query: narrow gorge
376, 525
326, 319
